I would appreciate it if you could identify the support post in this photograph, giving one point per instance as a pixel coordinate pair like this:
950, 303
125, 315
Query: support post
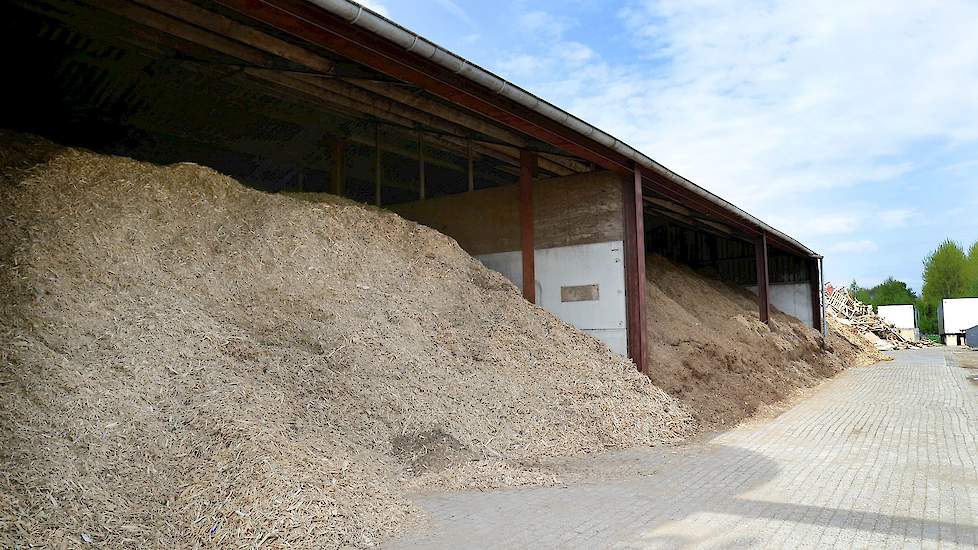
763, 302
815, 280
528, 166
421, 163
338, 186
634, 240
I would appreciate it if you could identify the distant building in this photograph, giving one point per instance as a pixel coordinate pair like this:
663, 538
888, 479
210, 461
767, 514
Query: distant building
903, 317
954, 317
971, 336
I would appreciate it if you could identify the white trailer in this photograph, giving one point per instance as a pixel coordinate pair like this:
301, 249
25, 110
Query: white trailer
903, 317
954, 317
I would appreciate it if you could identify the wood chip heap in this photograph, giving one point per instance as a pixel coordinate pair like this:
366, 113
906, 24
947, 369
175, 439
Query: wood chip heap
709, 348
187, 362
849, 311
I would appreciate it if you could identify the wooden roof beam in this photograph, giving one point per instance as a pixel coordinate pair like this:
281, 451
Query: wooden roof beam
249, 35
302, 85
175, 27
165, 23
182, 30
422, 116
416, 99
245, 34
181, 19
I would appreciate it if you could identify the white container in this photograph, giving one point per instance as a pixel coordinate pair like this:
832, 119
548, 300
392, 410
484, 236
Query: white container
901, 316
956, 315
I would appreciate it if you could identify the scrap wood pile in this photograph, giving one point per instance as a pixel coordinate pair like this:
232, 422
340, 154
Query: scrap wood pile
709, 348
187, 362
861, 318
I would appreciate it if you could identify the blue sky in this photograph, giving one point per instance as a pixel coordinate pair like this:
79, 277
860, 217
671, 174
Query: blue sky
851, 126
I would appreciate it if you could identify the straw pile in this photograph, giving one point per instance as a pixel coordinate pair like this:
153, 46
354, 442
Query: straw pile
710, 350
188, 362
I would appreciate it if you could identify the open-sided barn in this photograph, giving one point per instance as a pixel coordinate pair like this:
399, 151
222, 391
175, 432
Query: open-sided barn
327, 96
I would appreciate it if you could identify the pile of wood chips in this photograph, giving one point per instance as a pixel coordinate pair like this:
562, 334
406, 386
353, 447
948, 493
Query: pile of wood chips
709, 348
187, 362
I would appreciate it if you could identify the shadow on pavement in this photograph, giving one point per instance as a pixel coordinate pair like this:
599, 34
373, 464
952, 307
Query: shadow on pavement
695, 497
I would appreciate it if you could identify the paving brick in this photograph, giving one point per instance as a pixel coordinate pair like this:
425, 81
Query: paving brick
881, 457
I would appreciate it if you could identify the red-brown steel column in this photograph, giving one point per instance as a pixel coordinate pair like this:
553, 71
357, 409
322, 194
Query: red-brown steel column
634, 239
763, 303
528, 167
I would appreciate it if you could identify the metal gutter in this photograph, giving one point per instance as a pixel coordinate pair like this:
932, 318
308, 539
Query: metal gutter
411, 42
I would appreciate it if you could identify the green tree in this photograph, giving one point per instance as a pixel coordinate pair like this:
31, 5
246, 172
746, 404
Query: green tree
858, 292
891, 292
971, 271
945, 276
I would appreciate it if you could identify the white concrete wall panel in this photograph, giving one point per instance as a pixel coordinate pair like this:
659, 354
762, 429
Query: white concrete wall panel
912, 334
795, 299
600, 264
901, 316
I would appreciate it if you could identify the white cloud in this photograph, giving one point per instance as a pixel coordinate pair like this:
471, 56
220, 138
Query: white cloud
575, 53
521, 65
453, 8
835, 122
557, 55
896, 218
762, 100
375, 6
543, 23
833, 224
963, 167
853, 247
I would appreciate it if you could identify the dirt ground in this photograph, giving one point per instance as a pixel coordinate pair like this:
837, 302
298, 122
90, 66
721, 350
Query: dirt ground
710, 350
187, 362
966, 358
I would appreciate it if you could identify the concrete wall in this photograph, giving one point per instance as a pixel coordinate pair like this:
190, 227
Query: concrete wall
795, 299
581, 284
953, 339
902, 316
578, 226
580, 209
912, 334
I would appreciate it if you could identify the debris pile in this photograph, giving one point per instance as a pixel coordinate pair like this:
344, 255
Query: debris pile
861, 318
186, 362
709, 348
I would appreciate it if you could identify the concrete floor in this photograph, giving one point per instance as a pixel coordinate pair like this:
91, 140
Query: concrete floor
881, 457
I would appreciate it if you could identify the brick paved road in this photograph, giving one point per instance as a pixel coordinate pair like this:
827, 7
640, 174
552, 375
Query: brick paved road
881, 457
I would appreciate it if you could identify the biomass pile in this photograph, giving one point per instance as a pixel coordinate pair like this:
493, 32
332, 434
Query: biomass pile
188, 362
861, 350
709, 349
